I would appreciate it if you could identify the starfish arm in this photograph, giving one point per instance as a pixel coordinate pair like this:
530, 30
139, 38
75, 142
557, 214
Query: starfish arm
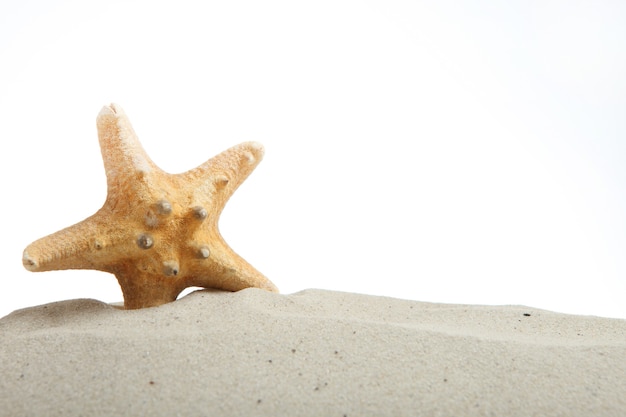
70, 248
228, 271
124, 157
221, 175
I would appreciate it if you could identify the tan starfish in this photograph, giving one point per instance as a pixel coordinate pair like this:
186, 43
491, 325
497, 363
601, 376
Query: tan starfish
157, 232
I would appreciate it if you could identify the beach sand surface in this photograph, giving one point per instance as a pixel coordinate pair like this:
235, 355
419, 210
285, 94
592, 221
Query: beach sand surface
312, 353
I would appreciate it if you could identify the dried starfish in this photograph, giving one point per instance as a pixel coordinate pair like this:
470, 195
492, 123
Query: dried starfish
157, 232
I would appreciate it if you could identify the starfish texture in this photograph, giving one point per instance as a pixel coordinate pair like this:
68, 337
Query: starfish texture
156, 232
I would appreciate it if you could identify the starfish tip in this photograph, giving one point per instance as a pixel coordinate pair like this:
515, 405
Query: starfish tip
112, 110
255, 152
258, 146
29, 263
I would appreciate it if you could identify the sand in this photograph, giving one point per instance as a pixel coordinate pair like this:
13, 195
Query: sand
313, 353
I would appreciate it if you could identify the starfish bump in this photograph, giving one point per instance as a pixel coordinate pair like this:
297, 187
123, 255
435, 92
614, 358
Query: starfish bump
156, 232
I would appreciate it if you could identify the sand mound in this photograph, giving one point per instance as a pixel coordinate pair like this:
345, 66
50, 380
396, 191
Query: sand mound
314, 353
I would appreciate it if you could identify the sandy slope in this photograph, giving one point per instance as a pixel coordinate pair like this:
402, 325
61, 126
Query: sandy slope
313, 353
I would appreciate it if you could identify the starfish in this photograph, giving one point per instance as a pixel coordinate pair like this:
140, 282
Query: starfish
156, 232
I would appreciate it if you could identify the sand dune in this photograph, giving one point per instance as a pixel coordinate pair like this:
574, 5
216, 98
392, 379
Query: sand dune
313, 353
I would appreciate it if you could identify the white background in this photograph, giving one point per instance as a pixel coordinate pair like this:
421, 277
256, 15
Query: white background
445, 151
